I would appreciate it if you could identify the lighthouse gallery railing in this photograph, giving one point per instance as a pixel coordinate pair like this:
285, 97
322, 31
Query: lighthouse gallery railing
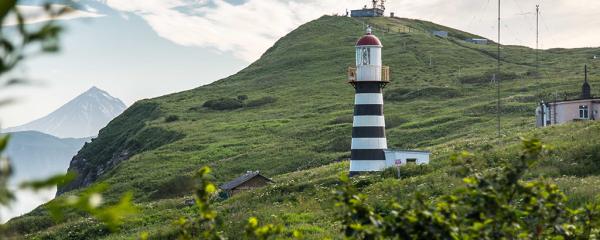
385, 74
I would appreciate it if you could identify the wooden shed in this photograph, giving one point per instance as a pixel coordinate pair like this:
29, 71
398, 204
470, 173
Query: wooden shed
250, 180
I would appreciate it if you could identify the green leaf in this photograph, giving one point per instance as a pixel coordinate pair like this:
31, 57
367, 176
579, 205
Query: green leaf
58, 180
5, 7
4, 141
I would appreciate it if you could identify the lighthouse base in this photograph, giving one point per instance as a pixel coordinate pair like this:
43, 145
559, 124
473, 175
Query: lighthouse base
367, 165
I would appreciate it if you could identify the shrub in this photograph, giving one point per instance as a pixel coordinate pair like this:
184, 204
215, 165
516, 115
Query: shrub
171, 118
242, 97
261, 101
223, 104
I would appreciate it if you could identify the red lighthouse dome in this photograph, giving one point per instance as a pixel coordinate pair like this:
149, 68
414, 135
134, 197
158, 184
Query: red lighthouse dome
369, 40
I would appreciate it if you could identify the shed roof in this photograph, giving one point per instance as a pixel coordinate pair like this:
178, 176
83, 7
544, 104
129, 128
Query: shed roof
408, 151
242, 179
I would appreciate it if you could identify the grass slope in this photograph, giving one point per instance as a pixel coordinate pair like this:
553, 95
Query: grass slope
446, 104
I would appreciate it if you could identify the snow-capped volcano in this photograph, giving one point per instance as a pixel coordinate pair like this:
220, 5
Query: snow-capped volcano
81, 117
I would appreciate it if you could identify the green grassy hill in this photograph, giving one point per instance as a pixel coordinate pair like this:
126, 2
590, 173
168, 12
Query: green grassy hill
296, 125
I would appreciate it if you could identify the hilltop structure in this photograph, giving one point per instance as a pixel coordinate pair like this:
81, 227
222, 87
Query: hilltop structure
369, 145
585, 108
377, 10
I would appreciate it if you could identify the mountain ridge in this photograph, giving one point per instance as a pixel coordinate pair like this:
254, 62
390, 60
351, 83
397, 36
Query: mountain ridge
82, 116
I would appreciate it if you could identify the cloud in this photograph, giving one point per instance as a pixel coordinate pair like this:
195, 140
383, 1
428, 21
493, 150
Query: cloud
36, 14
247, 29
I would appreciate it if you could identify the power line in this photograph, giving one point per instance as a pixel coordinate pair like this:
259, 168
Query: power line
498, 75
537, 39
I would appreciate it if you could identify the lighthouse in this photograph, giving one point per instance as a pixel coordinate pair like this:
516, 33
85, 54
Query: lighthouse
368, 78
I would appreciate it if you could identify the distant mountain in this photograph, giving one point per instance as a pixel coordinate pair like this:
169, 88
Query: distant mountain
37, 155
81, 117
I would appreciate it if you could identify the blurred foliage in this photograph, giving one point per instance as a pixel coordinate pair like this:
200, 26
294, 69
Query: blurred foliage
91, 202
5, 171
205, 224
495, 204
16, 42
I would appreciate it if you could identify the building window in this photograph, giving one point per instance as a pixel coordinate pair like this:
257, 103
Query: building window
584, 112
363, 56
366, 56
411, 161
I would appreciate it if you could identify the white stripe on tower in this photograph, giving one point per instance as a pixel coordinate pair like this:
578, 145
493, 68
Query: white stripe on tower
368, 98
369, 121
369, 143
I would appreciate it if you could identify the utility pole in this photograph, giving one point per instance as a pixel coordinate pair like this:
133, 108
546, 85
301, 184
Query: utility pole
498, 112
537, 39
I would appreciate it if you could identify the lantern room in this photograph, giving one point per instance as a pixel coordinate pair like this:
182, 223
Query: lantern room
368, 60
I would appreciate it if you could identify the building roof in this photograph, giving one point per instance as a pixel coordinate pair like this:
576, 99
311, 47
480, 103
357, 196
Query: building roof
242, 179
409, 151
369, 40
595, 100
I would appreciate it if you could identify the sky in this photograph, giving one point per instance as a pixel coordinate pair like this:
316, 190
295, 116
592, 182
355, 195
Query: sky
137, 49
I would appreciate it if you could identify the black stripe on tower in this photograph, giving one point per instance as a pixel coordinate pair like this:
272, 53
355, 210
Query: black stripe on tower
368, 110
368, 154
368, 87
368, 132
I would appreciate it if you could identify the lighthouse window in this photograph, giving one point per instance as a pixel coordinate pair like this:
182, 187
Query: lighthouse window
366, 56
583, 112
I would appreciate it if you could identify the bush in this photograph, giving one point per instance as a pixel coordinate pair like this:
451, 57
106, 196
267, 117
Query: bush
242, 97
223, 104
261, 101
171, 118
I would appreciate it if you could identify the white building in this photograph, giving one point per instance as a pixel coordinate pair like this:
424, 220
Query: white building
558, 112
480, 41
442, 34
404, 157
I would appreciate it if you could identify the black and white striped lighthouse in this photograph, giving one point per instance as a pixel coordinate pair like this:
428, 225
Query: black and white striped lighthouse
369, 78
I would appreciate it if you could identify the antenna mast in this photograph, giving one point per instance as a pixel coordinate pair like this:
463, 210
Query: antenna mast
537, 39
498, 76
